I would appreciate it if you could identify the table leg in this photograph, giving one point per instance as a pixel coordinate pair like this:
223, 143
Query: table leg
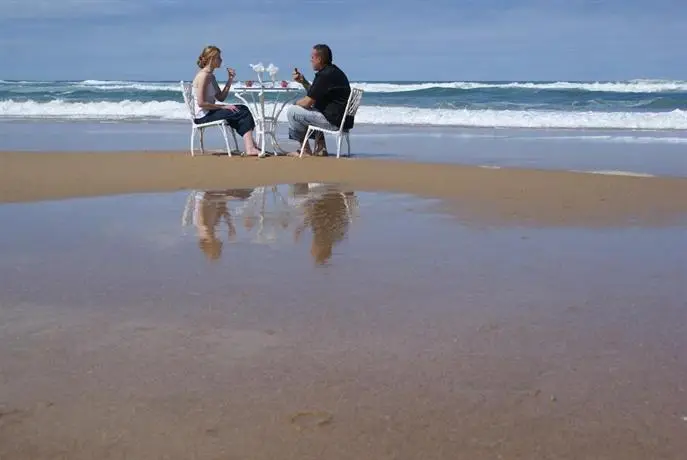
265, 126
264, 123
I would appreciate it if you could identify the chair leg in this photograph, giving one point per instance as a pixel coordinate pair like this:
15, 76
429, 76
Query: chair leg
193, 141
349, 214
307, 136
223, 128
339, 138
348, 144
236, 143
262, 141
188, 209
202, 143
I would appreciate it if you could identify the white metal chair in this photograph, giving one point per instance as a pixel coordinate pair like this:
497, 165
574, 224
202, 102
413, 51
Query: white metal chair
351, 108
222, 124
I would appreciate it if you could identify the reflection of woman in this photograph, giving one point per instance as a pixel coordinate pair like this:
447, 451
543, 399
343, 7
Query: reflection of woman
327, 215
211, 207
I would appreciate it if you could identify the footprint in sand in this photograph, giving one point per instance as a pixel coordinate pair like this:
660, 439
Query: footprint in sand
10, 416
310, 420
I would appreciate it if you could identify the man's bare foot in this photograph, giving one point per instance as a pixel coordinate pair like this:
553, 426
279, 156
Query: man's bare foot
297, 154
306, 151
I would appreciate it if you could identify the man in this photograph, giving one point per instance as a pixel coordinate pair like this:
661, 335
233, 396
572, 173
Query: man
325, 103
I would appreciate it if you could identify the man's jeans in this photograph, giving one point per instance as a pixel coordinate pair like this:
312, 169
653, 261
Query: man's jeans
300, 118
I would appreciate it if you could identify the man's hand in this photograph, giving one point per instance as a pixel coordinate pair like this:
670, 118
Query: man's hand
298, 76
305, 102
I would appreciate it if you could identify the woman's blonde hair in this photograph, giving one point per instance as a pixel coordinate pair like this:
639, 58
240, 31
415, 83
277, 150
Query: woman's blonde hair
208, 53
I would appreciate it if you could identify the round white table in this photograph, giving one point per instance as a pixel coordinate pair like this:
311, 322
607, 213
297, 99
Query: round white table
266, 119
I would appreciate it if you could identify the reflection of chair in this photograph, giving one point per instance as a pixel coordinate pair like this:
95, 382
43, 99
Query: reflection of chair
200, 128
351, 109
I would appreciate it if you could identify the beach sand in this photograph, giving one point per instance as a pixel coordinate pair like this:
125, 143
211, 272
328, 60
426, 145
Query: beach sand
491, 194
544, 319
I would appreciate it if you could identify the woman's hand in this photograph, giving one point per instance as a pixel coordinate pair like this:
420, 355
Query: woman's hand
231, 107
231, 73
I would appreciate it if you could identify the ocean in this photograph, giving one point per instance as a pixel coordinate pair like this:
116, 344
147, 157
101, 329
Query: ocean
624, 105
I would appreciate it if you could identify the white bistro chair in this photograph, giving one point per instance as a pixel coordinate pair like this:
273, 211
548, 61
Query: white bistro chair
221, 124
351, 108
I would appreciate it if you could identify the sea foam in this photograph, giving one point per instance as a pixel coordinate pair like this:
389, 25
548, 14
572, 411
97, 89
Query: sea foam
171, 110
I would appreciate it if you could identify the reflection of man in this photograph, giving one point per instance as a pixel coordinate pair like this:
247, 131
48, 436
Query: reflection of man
327, 216
324, 105
211, 208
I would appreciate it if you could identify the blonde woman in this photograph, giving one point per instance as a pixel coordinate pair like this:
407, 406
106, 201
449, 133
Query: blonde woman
206, 93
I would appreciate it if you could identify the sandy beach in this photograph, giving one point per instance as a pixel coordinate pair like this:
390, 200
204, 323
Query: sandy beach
466, 313
491, 194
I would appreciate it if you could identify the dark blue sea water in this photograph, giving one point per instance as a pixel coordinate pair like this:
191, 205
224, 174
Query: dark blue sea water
635, 104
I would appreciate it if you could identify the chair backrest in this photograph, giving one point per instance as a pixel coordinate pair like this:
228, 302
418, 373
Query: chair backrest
188, 98
352, 105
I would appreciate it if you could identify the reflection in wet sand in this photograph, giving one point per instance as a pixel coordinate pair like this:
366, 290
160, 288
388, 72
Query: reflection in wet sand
267, 212
211, 209
445, 341
328, 216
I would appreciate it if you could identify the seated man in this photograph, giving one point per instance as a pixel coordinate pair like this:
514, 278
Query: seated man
325, 103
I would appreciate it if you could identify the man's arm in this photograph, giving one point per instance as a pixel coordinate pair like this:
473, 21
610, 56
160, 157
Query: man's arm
298, 76
316, 91
306, 102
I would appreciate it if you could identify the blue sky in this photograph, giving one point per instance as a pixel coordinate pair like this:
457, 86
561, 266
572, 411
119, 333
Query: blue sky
372, 40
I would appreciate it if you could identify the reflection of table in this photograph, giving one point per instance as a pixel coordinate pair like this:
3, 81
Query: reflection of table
266, 120
270, 210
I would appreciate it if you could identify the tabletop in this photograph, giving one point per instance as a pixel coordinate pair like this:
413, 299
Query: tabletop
267, 89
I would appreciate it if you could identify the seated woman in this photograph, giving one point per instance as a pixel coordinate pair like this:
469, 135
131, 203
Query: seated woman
206, 92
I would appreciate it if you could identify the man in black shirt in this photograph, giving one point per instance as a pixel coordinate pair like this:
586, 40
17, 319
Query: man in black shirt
325, 103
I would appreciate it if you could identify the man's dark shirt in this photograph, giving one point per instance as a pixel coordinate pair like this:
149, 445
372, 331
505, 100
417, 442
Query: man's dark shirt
331, 89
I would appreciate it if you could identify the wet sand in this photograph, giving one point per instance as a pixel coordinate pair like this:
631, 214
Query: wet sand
422, 337
656, 153
523, 196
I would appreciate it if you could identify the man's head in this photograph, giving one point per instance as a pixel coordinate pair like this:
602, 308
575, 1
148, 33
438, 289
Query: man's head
320, 57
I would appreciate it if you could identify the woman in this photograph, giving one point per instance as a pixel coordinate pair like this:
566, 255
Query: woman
206, 92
